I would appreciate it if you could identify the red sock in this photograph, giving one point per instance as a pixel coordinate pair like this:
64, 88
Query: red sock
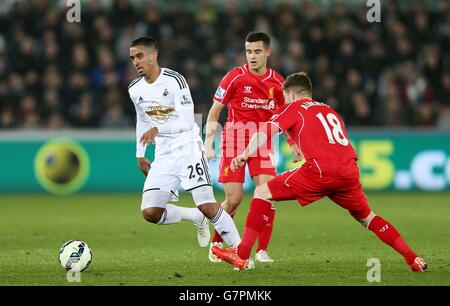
216, 236
264, 236
258, 217
386, 232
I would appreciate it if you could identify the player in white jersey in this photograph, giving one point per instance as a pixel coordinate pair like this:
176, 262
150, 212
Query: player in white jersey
165, 117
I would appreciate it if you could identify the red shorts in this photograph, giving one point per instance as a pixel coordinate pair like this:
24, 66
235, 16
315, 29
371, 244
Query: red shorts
305, 185
256, 166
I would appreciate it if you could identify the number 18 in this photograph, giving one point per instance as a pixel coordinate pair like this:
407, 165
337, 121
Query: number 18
337, 135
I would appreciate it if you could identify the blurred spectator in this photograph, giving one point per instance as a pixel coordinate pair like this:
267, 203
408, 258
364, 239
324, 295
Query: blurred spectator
52, 104
425, 116
443, 89
114, 118
444, 118
56, 121
359, 113
28, 113
83, 113
7, 118
55, 74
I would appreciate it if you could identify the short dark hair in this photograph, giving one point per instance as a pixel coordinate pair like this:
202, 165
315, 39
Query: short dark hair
146, 41
298, 82
259, 36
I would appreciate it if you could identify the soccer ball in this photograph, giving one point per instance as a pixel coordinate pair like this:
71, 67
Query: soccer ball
75, 256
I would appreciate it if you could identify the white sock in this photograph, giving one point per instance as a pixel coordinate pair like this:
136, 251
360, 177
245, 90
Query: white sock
176, 214
225, 226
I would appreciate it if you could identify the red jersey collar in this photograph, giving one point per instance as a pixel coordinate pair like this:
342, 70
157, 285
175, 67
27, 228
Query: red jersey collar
304, 100
265, 75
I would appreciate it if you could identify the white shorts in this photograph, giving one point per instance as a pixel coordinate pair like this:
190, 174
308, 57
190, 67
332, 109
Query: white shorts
167, 174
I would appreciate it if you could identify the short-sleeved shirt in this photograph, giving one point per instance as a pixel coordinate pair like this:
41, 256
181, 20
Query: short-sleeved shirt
320, 132
166, 104
250, 100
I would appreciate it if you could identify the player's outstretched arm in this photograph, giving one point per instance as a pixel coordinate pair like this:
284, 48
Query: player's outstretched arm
258, 139
298, 154
212, 123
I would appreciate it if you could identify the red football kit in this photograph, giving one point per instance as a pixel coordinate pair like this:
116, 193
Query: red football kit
330, 168
251, 100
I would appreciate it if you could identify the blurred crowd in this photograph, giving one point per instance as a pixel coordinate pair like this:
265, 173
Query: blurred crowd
56, 74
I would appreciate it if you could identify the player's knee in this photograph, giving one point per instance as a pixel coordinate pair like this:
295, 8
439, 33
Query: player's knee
203, 195
153, 204
261, 192
232, 202
152, 215
209, 210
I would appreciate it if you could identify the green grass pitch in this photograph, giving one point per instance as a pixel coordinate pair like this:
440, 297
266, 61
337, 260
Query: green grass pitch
315, 245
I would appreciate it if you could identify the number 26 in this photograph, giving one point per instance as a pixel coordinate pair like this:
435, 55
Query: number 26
198, 168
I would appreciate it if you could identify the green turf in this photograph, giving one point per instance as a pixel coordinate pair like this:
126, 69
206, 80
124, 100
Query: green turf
315, 245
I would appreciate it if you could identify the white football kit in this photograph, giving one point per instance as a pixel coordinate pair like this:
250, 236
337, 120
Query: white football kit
179, 154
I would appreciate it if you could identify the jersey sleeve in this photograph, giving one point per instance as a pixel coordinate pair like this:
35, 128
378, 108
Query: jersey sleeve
279, 97
227, 86
142, 126
285, 117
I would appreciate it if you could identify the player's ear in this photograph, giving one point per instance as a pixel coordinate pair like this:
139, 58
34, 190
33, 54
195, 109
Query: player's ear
269, 51
153, 56
288, 96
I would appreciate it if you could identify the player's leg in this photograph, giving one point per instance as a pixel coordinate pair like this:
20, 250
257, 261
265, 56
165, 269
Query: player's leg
264, 238
233, 189
259, 215
262, 169
234, 193
223, 223
196, 178
159, 189
295, 184
155, 209
233, 196
389, 235
355, 200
